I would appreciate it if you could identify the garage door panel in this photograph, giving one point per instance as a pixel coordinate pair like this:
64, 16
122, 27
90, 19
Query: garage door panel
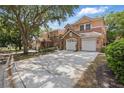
89, 44
71, 44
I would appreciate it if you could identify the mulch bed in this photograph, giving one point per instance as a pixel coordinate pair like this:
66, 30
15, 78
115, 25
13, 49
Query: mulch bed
106, 77
98, 75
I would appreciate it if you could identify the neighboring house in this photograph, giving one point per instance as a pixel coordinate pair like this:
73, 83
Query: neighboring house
56, 36
87, 34
41, 42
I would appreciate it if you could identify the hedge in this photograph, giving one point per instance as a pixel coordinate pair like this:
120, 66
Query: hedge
115, 56
103, 49
45, 50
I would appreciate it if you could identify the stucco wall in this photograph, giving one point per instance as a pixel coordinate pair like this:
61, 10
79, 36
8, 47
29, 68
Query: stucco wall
97, 26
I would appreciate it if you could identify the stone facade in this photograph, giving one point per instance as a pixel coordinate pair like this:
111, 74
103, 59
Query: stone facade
74, 35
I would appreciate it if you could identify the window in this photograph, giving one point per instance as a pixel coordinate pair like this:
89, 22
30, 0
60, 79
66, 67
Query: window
81, 27
85, 27
88, 26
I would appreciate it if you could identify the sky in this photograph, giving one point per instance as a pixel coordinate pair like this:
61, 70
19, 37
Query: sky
88, 10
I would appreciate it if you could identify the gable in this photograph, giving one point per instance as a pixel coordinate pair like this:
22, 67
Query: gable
68, 34
84, 19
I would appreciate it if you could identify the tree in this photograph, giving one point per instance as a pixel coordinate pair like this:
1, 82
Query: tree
115, 22
9, 36
29, 18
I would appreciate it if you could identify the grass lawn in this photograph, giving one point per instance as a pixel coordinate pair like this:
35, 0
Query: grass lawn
22, 56
6, 50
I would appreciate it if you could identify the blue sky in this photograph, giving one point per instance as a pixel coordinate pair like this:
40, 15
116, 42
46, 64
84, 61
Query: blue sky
88, 10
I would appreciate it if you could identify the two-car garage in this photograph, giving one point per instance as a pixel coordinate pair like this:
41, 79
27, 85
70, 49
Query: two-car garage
88, 42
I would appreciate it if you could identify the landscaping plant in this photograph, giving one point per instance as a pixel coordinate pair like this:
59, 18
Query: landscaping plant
46, 50
115, 57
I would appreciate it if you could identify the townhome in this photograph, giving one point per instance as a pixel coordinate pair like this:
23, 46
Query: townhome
87, 34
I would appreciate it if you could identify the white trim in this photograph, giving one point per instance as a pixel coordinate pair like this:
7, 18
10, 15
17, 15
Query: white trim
71, 44
83, 26
86, 24
90, 26
72, 39
86, 45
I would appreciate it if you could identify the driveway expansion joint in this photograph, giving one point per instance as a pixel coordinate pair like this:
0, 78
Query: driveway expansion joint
58, 69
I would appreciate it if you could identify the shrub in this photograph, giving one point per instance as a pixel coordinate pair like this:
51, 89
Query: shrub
50, 49
103, 49
115, 56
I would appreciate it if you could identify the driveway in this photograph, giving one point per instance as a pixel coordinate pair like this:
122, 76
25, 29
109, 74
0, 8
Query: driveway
60, 69
2, 76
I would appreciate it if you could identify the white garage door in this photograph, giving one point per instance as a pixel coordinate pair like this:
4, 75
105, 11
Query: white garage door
71, 44
89, 44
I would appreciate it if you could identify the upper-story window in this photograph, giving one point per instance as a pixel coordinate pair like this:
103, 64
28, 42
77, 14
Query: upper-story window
88, 26
81, 27
85, 27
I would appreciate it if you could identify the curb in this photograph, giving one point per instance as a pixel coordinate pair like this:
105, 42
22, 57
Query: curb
11, 77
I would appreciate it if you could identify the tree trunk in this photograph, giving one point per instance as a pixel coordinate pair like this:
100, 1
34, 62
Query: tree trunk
20, 42
25, 47
25, 42
20, 46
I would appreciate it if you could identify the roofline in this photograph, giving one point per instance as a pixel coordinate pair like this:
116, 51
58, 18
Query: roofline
68, 32
92, 19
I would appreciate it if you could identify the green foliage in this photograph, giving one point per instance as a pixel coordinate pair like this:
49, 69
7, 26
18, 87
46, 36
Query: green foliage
111, 36
115, 57
103, 49
115, 23
50, 49
8, 36
27, 19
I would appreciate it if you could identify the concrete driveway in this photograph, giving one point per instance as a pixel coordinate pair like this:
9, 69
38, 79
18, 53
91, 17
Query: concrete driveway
60, 69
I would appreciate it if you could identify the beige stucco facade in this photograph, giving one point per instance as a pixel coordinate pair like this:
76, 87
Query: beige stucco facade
97, 27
